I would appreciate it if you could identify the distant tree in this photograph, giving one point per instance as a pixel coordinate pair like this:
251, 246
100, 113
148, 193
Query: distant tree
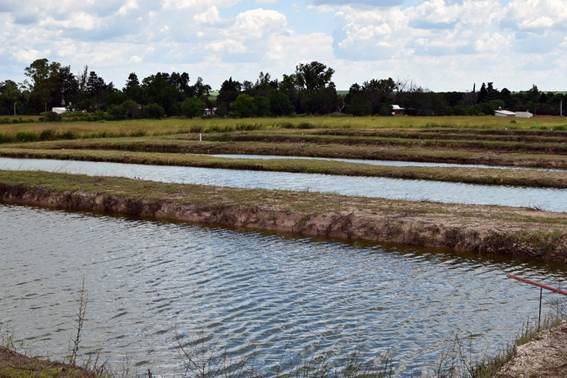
165, 90
130, 109
96, 90
154, 111
290, 88
356, 101
133, 90
192, 107
229, 91
244, 106
10, 94
200, 90
262, 105
280, 104
313, 76
316, 92
45, 81
482, 94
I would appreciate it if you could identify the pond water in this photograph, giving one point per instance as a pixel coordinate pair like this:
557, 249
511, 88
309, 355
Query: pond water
414, 190
277, 301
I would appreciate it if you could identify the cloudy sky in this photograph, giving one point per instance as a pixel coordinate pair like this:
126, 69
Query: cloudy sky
438, 44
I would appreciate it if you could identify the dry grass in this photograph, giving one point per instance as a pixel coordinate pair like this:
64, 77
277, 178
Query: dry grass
174, 125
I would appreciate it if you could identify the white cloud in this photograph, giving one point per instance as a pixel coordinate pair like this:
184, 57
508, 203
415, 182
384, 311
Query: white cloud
438, 43
209, 16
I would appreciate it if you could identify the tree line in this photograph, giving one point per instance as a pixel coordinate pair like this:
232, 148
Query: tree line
308, 90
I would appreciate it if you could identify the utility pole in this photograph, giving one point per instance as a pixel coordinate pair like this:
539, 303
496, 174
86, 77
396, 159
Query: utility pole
15, 102
561, 108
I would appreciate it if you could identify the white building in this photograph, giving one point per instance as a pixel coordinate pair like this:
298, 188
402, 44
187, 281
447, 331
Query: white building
507, 113
504, 113
59, 110
525, 114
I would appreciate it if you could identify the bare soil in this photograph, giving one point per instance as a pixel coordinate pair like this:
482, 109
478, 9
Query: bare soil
545, 356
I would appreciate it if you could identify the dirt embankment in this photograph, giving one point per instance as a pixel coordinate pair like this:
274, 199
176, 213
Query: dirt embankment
481, 229
543, 357
16, 365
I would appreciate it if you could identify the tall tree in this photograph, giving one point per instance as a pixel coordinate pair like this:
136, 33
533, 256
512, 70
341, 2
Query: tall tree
10, 94
229, 91
313, 76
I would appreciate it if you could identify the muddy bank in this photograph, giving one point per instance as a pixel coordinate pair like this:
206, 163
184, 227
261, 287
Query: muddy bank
481, 229
16, 365
544, 356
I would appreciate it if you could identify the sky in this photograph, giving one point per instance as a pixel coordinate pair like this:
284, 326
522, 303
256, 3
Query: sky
436, 44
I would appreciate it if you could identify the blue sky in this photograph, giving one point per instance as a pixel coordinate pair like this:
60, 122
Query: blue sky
437, 44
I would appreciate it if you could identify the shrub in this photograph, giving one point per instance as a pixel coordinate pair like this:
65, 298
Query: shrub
47, 134
50, 117
154, 111
26, 136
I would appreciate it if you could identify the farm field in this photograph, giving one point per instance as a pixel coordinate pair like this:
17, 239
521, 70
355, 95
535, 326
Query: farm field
9, 132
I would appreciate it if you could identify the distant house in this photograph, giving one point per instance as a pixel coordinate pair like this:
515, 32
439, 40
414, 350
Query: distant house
507, 113
398, 110
59, 110
210, 112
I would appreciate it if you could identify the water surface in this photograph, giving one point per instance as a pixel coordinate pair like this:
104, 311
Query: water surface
414, 190
152, 286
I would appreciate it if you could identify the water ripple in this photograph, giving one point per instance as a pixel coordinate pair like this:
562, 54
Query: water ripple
247, 296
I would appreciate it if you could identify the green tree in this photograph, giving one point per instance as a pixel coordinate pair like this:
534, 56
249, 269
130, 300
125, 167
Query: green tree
45, 87
244, 106
280, 103
10, 94
154, 111
192, 107
263, 106
229, 91
313, 76
133, 90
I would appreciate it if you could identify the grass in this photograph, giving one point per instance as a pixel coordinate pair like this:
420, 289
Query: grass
538, 142
486, 176
168, 126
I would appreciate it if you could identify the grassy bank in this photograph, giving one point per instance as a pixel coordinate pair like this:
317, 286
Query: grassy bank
16, 365
556, 147
189, 144
486, 176
481, 229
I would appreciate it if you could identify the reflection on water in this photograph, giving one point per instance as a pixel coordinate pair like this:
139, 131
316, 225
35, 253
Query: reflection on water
150, 284
415, 190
